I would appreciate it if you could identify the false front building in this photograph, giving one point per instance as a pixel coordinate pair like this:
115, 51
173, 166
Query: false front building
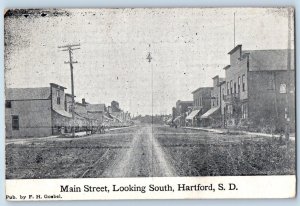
35, 112
200, 105
40, 112
213, 117
260, 89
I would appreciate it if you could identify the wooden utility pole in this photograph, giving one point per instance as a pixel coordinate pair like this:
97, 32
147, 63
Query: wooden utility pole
70, 48
233, 29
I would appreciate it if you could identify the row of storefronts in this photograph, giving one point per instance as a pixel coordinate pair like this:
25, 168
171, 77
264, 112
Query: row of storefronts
257, 93
45, 111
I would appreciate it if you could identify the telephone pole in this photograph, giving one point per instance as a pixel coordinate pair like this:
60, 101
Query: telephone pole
233, 29
70, 48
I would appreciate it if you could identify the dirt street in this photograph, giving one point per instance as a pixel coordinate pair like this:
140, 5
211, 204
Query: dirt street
145, 158
148, 151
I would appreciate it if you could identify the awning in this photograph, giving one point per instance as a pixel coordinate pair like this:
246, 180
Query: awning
63, 113
193, 114
209, 112
177, 119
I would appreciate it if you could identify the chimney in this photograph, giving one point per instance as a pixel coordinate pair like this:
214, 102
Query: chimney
83, 101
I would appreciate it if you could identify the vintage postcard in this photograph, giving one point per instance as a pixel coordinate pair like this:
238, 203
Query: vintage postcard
160, 103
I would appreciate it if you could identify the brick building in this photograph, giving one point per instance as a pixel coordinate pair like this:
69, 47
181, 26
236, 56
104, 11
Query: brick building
260, 89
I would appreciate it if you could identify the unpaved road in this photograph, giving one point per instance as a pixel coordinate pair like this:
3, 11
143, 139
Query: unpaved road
148, 151
144, 158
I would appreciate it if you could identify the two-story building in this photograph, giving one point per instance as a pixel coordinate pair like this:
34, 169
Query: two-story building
213, 117
201, 104
35, 112
260, 89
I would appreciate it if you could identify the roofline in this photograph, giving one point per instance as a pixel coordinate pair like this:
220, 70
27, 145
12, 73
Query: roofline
97, 104
227, 67
215, 76
218, 77
57, 86
26, 99
222, 82
235, 48
186, 101
278, 70
67, 94
248, 51
80, 103
19, 88
26, 88
201, 88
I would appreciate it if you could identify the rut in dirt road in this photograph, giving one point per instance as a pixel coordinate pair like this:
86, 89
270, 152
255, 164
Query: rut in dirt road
144, 158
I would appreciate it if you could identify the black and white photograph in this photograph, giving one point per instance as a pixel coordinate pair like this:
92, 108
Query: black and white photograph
145, 93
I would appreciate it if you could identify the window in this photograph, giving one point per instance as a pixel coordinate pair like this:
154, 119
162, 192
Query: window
15, 122
217, 100
229, 110
7, 104
230, 87
270, 83
70, 108
227, 88
223, 96
243, 83
239, 84
234, 87
282, 89
57, 97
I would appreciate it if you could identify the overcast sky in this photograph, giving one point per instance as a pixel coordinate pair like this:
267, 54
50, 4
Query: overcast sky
188, 47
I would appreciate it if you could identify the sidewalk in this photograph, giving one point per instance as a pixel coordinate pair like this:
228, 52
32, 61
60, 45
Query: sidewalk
33, 139
30, 139
65, 136
224, 131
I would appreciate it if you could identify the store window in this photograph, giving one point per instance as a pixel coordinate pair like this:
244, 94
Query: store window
15, 122
7, 104
244, 82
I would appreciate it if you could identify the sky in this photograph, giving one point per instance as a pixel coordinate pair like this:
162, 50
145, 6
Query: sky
188, 47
